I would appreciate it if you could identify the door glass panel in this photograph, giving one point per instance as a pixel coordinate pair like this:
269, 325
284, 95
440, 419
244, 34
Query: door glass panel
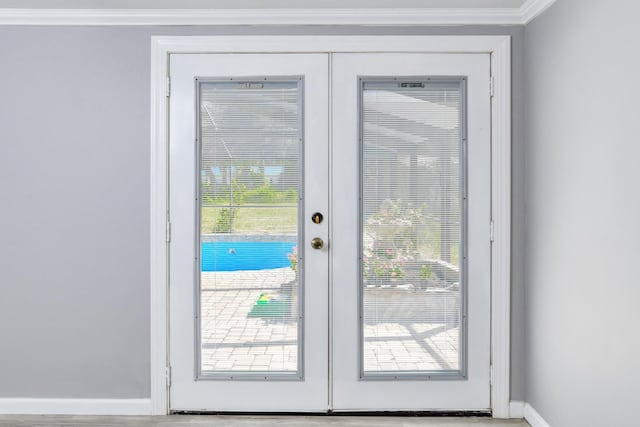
249, 195
412, 225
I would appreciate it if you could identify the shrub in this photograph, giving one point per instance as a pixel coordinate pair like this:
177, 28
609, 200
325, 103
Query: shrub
224, 220
425, 272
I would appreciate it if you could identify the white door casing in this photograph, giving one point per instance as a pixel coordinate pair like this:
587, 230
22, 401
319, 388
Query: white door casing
498, 47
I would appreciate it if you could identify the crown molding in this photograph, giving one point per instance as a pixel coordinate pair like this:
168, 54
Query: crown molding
532, 8
379, 16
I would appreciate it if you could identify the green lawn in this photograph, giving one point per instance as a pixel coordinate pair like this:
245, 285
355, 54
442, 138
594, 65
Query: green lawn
250, 220
284, 220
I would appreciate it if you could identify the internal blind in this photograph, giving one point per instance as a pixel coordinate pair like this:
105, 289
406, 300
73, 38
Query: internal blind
249, 158
412, 223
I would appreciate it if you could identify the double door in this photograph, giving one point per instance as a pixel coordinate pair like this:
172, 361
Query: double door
330, 232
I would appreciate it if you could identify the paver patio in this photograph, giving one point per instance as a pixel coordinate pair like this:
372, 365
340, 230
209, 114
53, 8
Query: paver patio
397, 336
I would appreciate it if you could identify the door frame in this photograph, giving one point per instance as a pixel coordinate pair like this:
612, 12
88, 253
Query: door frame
499, 47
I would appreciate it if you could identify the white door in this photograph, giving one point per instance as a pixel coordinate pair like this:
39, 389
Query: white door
248, 295
380, 302
410, 232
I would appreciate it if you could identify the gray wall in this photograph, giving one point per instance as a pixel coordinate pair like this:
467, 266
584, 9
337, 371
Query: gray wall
583, 206
74, 192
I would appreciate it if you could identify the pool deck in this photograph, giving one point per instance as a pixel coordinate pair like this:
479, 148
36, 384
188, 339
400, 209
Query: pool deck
233, 341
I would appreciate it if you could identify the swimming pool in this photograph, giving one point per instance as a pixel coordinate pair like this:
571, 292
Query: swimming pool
233, 256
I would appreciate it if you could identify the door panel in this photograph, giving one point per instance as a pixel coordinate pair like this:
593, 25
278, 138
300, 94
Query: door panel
260, 321
248, 301
410, 247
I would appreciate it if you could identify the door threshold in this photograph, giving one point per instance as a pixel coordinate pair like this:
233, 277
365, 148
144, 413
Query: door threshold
433, 414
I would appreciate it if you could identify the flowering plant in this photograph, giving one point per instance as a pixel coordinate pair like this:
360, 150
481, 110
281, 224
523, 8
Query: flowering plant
390, 240
382, 263
293, 258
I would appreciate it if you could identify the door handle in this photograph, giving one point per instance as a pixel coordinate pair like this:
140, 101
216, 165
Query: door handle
317, 243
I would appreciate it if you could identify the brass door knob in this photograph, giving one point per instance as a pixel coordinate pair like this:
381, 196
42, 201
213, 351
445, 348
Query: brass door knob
317, 243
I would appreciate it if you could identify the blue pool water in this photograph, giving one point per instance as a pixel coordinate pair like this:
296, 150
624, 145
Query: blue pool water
232, 256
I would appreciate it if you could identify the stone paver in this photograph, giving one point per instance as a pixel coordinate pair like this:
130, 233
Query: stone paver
232, 341
405, 329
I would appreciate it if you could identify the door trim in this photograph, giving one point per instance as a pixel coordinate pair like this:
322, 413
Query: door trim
499, 47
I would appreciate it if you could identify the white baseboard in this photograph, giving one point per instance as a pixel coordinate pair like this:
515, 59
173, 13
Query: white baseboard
533, 417
75, 406
516, 409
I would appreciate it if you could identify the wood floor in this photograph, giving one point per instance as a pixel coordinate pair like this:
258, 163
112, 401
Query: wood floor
249, 421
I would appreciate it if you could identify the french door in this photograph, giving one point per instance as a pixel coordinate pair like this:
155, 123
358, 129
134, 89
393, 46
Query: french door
330, 232
410, 246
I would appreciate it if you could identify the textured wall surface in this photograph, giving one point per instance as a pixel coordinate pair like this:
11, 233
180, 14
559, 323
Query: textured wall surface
74, 189
582, 211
